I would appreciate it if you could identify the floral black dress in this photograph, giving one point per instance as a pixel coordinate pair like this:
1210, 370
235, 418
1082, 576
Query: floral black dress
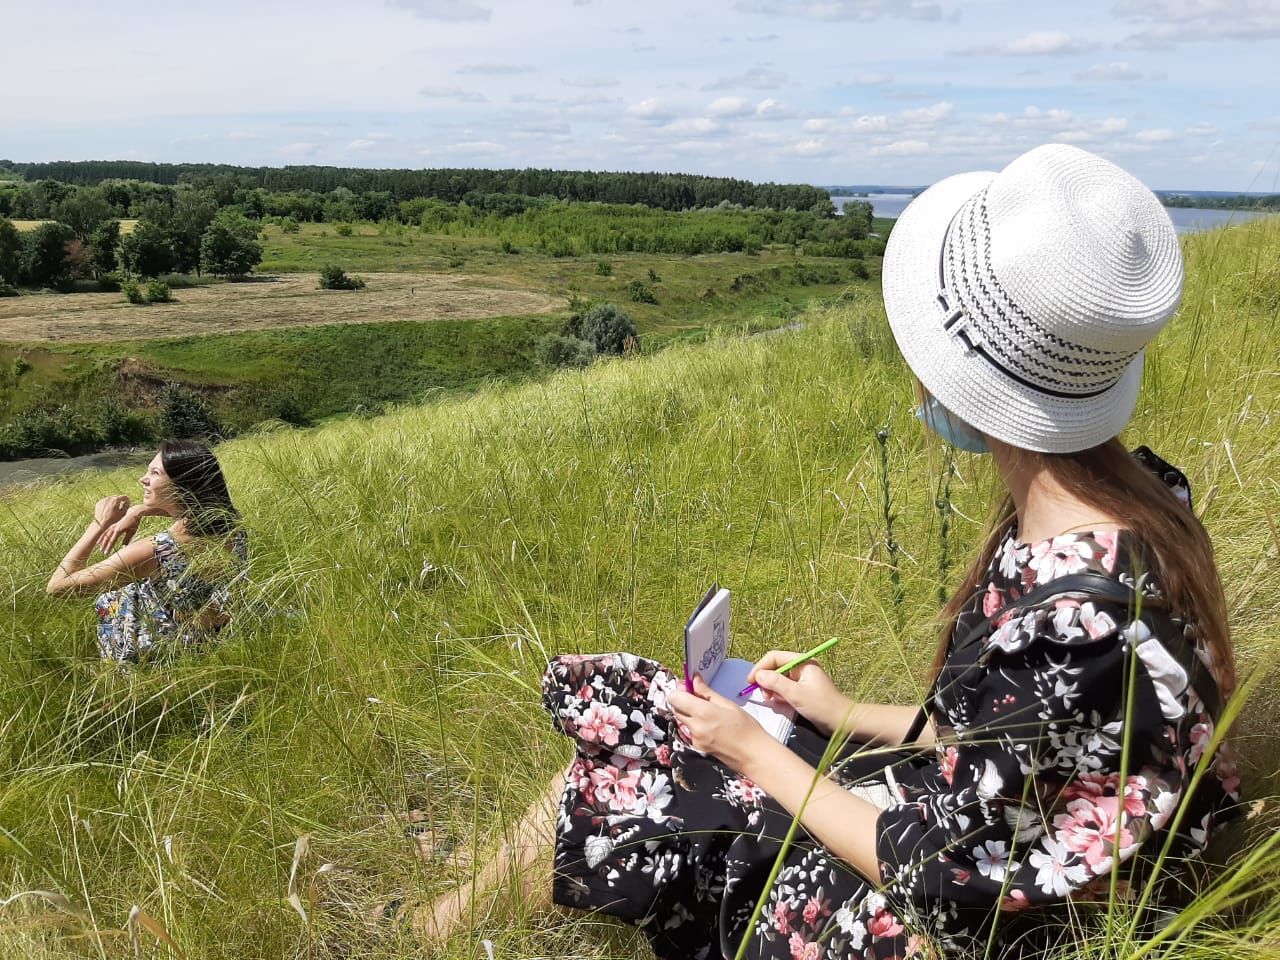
135, 617
1019, 809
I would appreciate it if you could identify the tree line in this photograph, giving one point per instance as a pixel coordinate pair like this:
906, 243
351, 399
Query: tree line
1239, 202
667, 191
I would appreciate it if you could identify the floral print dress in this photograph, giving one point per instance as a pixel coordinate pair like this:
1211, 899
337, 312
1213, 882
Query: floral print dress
1019, 809
135, 617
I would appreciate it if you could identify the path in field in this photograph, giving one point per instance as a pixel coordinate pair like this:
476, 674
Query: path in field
264, 303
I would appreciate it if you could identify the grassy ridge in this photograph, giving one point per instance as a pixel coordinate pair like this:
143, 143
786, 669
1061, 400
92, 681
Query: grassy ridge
411, 574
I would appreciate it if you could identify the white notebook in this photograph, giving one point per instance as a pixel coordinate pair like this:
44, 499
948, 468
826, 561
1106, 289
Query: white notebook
706, 649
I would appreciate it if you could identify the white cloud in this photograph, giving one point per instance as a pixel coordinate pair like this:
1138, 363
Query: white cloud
451, 10
928, 115
691, 127
808, 148
362, 144
453, 93
1159, 135
867, 80
1200, 130
871, 123
1114, 125
1041, 43
1185, 21
756, 78
818, 124
650, 110
771, 109
843, 9
1109, 73
901, 148
729, 107
496, 69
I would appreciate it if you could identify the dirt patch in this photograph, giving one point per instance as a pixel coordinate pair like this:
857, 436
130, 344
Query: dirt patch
265, 303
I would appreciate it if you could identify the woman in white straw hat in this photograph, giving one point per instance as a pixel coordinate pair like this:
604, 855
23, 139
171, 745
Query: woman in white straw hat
1077, 683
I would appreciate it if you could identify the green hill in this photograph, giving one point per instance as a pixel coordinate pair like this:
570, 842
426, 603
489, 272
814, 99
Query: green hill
412, 573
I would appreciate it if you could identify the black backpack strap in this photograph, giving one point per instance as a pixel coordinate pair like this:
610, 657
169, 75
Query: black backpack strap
1105, 588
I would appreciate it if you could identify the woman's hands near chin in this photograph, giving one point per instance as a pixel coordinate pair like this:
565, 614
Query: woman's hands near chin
120, 530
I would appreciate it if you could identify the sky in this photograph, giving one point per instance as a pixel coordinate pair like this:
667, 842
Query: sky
1179, 92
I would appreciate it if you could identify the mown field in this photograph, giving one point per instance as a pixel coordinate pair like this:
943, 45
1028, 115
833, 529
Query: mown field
411, 574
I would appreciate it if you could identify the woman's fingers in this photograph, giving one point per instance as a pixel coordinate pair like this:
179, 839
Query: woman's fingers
771, 661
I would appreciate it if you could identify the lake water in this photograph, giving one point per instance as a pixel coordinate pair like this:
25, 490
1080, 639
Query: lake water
15, 474
1185, 219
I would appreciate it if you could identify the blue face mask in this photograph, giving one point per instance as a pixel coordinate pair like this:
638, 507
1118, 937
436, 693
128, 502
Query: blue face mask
951, 428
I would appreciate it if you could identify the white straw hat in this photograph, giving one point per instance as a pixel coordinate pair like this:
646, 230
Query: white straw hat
1022, 299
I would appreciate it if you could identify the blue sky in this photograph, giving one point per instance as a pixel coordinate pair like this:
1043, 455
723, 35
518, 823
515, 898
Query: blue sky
1181, 92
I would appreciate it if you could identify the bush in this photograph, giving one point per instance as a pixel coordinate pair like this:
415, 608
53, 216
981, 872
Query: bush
608, 328
185, 414
333, 277
158, 292
7, 291
343, 229
554, 350
110, 282
641, 292
133, 292
509, 247
653, 276
604, 269
36, 431
289, 225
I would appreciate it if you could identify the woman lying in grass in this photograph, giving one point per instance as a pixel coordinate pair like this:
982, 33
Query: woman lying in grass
171, 587
1076, 685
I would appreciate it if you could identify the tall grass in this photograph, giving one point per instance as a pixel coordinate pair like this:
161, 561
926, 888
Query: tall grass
412, 573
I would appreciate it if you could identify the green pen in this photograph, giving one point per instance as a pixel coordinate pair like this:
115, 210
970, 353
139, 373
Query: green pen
792, 664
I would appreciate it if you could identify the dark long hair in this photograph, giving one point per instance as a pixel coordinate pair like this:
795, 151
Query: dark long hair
1180, 552
200, 487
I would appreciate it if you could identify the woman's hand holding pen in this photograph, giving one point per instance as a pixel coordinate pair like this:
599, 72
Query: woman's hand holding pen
806, 687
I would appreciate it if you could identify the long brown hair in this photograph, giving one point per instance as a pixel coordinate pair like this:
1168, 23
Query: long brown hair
1178, 550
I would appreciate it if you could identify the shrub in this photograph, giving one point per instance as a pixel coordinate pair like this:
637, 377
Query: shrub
158, 292
36, 431
641, 292
608, 328
343, 229
289, 225
509, 247
653, 276
133, 292
333, 277
110, 282
119, 425
185, 414
604, 268
20, 366
7, 291
554, 350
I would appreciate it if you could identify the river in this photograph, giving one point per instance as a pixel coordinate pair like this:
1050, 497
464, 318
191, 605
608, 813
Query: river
16, 474
1185, 219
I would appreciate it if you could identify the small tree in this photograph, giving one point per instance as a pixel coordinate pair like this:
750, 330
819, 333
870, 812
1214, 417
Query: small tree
608, 328
184, 414
641, 292
44, 255
103, 245
335, 278
230, 246
555, 350
148, 251
158, 292
10, 252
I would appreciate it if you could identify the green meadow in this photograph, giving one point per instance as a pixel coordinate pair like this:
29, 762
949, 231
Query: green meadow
411, 574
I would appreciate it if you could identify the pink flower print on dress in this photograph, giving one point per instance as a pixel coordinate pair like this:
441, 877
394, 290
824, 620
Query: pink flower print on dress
1089, 827
992, 601
782, 915
884, 924
616, 788
1015, 901
601, 723
1096, 622
815, 910
1059, 557
948, 764
1106, 539
802, 949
